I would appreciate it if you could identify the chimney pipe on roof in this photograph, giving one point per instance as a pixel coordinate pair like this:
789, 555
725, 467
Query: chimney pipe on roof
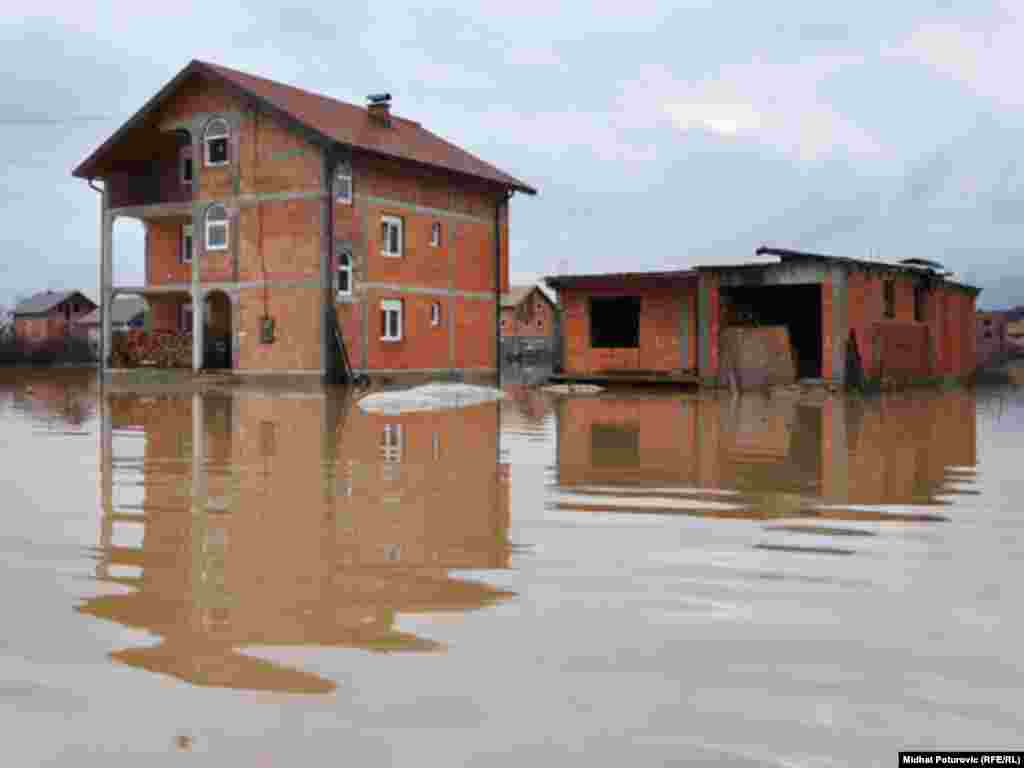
379, 108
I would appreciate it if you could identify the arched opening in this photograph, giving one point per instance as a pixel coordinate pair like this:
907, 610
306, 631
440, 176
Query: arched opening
217, 331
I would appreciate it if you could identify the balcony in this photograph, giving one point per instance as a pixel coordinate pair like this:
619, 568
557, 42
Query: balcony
158, 173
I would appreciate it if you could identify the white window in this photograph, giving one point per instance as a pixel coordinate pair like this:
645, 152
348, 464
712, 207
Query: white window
215, 142
391, 236
435, 234
391, 443
186, 164
391, 320
185, 318
435, 313
343, 282
343, 185
216, 228
186, 244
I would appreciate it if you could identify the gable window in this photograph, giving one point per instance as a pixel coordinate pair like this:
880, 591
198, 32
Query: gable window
215, 142
391, 236
343, 277
186, 244
889, 298
216, 228
186, 164
391, 320
435, 234
343, 185
435, 313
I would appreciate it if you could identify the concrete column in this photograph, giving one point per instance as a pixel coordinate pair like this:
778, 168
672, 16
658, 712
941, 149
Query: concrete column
329, 361
684, 333
106, 277
199, 489
106, 486
840, 325
198, 324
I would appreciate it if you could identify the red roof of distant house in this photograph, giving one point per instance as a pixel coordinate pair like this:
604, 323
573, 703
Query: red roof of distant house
333, 120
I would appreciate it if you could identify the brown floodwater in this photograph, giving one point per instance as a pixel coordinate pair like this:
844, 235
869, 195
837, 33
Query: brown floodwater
248, 577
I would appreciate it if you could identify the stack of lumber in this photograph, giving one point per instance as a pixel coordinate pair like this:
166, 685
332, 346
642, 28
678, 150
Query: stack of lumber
157, 349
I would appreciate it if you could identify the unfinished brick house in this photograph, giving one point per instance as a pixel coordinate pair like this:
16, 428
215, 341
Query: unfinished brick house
297, 222
806, 316
50, 316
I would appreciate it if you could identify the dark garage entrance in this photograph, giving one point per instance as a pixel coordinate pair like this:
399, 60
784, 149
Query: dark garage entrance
797, 307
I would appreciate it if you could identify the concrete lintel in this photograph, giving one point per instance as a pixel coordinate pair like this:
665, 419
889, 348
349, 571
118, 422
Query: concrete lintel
773, 274
227, 287
423, 290
423, 209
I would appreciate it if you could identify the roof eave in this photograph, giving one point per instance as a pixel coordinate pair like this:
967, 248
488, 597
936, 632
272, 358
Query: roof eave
86, 169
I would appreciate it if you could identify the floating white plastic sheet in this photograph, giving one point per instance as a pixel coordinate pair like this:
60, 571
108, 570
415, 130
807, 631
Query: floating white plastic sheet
429, 397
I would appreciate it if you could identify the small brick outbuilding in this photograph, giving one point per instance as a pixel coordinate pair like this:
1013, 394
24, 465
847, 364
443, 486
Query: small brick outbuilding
802, 316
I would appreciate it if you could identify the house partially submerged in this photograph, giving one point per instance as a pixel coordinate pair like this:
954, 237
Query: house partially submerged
803, 316
50, 316
304, 234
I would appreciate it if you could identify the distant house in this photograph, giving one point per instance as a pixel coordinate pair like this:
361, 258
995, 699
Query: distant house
527, 311
50, 316
992, 342
528, 323
125, 312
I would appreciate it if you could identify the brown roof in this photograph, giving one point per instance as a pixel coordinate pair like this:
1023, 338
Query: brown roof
517, 293
41, 303
333, 120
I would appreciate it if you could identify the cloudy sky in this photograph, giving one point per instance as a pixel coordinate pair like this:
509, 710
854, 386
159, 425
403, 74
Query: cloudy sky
659, 134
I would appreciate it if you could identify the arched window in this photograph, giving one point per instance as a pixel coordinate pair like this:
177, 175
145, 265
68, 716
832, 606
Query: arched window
217, 226
344, 274
215, 142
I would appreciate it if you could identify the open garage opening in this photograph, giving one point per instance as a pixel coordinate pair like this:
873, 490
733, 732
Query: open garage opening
797, 308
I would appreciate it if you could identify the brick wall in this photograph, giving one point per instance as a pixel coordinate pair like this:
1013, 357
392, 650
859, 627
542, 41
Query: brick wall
279, 240
660, 347
534, 316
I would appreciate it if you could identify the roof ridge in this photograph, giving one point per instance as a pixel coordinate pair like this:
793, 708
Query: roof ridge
281, 84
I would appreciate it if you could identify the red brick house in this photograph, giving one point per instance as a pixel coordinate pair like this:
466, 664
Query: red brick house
297, 221
527, 311
50, 316
806, 316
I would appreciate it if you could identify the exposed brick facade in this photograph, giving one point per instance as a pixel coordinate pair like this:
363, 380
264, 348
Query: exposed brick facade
532, 316
274, 188
665, 308
904, 323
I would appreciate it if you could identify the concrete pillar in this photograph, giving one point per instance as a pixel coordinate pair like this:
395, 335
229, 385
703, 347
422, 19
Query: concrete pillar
199, 489
329, 354
198, 324
684, 333
106, 277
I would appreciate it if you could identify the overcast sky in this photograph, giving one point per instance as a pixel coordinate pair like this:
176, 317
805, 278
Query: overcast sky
660, 135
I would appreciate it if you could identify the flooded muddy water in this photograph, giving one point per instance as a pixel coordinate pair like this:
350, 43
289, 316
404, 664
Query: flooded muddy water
260, 578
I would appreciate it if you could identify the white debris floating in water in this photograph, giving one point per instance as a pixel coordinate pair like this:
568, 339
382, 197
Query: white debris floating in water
429, 397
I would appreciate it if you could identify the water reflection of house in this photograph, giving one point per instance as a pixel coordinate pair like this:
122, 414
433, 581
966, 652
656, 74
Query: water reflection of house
893, 450
271, 521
